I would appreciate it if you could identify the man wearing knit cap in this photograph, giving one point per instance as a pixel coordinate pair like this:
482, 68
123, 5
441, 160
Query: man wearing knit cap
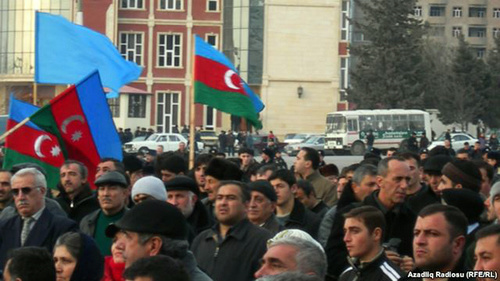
263, 205
267, 156
148, 188
432, 170
133, 168
184, 194
460, 174
493, 202
163, 233
218, 169
112, 193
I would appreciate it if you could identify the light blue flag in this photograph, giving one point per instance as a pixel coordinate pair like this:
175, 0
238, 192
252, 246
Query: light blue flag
65, 53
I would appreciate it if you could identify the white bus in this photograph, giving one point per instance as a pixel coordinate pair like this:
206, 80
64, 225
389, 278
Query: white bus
347, 130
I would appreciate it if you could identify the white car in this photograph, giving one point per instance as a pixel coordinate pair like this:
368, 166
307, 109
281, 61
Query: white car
314, 141
457, 140
170, 142
296, 138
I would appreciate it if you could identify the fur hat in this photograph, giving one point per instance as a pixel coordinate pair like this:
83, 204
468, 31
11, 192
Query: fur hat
222, 169
463, 172
132, 163
172, 162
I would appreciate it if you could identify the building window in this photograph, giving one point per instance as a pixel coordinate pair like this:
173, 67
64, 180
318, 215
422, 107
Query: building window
131, 47
477, 32
496, 13
344, 73
437, 11
344, 27
496, 32
212, 40
417, 11
167, 111
457, 30
213, 5
480, 52
457, 12
132, 4
169, 50
171, 4
137, 106
477, 12
114, 106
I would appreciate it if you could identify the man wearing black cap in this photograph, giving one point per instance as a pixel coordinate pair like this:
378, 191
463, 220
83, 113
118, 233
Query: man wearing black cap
169, 165
112, 193
263, 205
460, 174
231, 250
183, 193
247, 162
432, 170
218, 169
267, 156
163, 233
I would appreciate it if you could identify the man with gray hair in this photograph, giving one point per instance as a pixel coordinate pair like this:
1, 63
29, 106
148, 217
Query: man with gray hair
34, 225
293, 254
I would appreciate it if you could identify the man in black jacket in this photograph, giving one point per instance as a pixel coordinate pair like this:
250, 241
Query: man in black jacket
75, 197
231, 250
364, 230
289, 211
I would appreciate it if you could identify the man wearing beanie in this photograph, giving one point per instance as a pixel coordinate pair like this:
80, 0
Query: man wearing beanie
148, 188
460, 174
247, 162
218, 169
263, 205
184, 194
432, 171
112, 193
163, 233
231, 250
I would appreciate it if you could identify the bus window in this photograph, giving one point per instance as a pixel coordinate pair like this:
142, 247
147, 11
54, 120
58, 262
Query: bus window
335, 123
384, 123
400, 122
366, 123
352, 125
417, 122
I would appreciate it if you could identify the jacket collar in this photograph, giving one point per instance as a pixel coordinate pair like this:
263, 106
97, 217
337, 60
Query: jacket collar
361, 266
237, 231
298, 212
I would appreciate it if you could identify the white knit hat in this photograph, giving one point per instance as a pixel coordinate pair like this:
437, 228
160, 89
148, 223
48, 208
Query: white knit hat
494, 191
151, 186
297, 233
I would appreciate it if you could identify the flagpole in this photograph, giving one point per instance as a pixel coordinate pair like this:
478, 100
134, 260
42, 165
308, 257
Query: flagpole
192, 130
13, 129
35, 93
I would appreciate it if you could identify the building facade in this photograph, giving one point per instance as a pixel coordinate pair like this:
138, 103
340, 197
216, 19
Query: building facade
477, 20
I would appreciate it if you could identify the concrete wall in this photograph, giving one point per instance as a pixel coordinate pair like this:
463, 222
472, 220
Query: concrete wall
300, 50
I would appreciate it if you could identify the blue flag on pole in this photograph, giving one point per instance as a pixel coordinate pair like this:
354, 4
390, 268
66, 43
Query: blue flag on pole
65, 53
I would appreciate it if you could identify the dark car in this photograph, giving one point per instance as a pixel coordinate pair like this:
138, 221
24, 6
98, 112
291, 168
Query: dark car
260, 142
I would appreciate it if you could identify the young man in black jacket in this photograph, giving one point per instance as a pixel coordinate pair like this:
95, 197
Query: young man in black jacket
364, 230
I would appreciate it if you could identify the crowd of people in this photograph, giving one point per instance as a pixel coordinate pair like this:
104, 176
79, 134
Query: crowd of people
403, 216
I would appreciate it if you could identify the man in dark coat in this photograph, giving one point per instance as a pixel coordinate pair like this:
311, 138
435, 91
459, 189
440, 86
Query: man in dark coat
232, 249
289, 211
34, 225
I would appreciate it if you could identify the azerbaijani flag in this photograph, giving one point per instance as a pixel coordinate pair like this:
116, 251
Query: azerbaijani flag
81, 120
218, 85
31, 144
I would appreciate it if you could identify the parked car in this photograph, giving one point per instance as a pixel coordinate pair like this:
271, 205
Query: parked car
296, 138
315, 141
260, 142
457, 140
170, 142
209, 138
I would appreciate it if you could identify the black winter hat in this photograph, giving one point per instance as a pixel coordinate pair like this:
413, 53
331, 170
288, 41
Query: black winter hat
269, 152
132, 163
468, 201
182, 183
172, 162
265, 188
436, 163
152, 217
223, 169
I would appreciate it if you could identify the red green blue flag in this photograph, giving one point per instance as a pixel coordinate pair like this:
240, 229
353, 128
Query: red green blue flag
218, 84
81, 120
31, 144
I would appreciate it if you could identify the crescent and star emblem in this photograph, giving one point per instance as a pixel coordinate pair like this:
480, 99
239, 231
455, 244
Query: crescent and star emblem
228, 81
77, 135
38, 144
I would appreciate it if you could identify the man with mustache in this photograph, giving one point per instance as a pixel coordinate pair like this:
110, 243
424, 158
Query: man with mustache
112, 193
34, 224
75, 196
6, 198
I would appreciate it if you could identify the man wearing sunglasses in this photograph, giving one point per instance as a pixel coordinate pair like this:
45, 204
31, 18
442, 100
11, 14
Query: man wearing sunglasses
33, 225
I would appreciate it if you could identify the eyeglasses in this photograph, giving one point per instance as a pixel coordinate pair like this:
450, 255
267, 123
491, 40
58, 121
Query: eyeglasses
23, 190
